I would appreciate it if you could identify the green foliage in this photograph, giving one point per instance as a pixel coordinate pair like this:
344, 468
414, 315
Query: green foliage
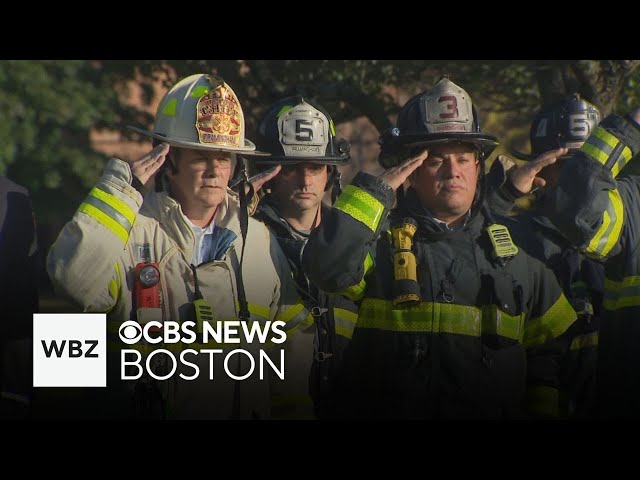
49, 108
631, 97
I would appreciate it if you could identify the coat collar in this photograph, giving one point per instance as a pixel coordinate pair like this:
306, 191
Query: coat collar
168, 212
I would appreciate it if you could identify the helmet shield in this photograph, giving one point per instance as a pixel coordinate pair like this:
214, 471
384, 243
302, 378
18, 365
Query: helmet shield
444, 114
295, 130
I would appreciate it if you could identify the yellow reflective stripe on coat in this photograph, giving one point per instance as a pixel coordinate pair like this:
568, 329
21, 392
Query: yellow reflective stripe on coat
601, 145
609, 232
553, 323
306, 321
543, 401
345, 322
621, 294
440, 318
587, 340
360, 205
622, 161
118, 205
104, 219
110, 211
356, 292
293, 316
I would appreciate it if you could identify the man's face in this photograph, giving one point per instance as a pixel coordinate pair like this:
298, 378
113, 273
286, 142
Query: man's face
202, 176
446, 181
299, 187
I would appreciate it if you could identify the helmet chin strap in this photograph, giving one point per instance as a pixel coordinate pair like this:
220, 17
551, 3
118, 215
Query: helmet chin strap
243, 312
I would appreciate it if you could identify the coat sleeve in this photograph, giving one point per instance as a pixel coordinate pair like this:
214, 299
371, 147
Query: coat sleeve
340, 253
86, 261
595, 202
501, 194
547, 335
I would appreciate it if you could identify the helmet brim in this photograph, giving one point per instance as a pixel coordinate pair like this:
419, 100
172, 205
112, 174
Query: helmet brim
284, 160
482, 140
570, 154
249, 148
517, 154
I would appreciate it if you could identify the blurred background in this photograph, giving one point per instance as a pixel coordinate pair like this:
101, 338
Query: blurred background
64, 119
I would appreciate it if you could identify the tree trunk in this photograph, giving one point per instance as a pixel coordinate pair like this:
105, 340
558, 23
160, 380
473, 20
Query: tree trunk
598, 81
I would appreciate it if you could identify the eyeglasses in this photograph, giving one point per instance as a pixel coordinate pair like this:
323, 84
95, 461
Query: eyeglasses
302, 168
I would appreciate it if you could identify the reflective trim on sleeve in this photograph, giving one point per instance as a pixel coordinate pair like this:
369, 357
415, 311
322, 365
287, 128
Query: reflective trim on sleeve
114, 202
543, 400
104, 219
607, 149
345, 322
356, 292
110, 211
360, 205
293, 315
301, 325
584, 341
621, 294
622, 161
553, 323
599, 145
609, 232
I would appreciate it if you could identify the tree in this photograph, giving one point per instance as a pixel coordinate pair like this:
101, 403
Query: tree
603, 82
50, 108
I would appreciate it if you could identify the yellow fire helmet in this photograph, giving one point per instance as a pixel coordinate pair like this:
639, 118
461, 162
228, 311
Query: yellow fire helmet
201, 112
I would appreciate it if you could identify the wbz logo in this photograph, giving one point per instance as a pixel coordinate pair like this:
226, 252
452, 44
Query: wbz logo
74, 349
69, 350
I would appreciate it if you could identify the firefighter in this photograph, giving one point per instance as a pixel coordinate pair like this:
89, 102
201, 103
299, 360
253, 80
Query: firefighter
455, 321
566, 124
19, 272
189, 236
594, 203
301, 137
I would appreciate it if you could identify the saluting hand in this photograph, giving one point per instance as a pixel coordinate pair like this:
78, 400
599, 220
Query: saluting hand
396, 176
145, 168
524, 178
261, 178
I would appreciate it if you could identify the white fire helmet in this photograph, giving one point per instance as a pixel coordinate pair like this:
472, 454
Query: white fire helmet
201, 112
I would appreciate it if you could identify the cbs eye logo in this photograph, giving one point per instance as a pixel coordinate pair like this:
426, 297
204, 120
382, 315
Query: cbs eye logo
130, 332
